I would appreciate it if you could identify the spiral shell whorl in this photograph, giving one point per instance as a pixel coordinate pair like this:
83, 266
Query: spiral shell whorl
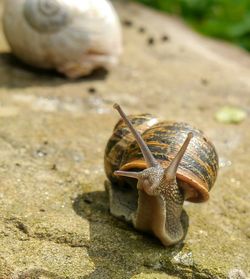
47, 16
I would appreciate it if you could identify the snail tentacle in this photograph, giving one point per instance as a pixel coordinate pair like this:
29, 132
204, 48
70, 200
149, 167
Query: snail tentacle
171, 170
148, 156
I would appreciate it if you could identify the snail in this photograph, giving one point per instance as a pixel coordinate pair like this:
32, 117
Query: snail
74, 37
154, 166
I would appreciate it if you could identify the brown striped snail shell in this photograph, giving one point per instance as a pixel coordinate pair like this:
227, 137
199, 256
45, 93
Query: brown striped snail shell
171, 162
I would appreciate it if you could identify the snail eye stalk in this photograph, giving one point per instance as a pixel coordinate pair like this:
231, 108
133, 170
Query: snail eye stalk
148, 156
171, 170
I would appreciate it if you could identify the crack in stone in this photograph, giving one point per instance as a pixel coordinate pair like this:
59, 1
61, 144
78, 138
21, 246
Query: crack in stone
24, 229
36, 273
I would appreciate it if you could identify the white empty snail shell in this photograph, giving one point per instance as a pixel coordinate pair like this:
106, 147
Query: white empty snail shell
73, 36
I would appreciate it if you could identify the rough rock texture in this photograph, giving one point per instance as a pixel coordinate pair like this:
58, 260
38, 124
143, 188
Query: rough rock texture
54, 216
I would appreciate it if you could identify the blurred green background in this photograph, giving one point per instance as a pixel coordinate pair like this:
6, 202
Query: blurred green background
225, 19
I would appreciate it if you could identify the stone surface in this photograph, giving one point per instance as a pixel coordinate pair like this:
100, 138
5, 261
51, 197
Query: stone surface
153, 276
54, 218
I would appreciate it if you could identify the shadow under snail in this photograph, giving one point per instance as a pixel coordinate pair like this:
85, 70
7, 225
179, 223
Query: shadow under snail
153, 167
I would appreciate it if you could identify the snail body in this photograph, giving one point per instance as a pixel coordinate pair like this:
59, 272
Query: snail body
154, 166
72, 36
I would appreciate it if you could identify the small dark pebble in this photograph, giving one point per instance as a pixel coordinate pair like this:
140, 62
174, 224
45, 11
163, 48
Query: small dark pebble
22, 227
127, 22
92, 90
45, 142
42, 209
165, 38
54, 167
142, 29
18, 165
151, 40
204, 81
